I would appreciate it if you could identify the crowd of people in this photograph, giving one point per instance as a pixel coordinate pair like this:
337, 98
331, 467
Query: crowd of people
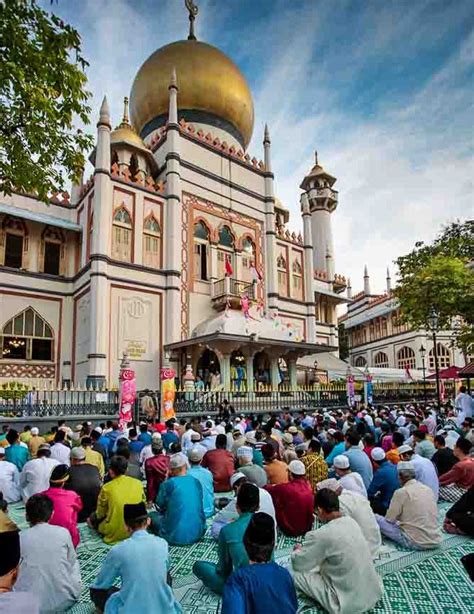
361, 474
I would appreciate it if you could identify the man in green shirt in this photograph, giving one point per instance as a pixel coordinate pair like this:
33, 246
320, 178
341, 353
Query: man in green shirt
231, 549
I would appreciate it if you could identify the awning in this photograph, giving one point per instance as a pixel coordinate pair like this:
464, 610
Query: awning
382, 309
334, 366
448, 373
467, 371
330, 293
42, 218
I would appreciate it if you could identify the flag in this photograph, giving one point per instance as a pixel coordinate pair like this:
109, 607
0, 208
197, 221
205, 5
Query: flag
256, 274
408, 374
228, 267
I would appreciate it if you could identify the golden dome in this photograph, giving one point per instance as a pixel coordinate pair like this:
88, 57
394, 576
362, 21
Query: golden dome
125, 133
211, 89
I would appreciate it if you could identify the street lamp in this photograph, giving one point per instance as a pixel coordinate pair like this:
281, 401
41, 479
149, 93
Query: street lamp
422, 354
433, 320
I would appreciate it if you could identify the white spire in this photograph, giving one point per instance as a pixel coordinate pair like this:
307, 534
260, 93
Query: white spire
389, 281
266, 149
366, 281
104, 113
173, 99
349, 288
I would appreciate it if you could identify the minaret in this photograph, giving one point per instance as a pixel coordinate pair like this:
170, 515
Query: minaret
100, 246
329, 265
349, 288
389, 281
76, 188
322, 200
366, 282
173, 212
308, 270
271, 273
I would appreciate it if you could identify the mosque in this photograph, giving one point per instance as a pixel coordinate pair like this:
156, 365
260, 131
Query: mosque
175, 251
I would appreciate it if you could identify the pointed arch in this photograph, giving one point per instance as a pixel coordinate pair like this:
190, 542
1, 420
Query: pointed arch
381, 360
443, 355
27, 336
151, 242
122, 238
406, 358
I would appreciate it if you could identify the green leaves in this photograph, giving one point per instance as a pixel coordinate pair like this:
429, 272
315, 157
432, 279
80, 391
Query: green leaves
42, 95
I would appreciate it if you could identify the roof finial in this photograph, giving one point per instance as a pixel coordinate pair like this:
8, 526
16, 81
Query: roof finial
193, 11
316, 156
125, 119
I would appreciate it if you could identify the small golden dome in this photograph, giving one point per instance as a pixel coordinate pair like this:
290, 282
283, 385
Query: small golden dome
209, 83
125, 133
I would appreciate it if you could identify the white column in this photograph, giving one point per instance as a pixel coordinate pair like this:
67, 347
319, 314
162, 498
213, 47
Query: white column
250, 374
291, 362
322, 237
271, 274
308, 271
225, 371
274, 372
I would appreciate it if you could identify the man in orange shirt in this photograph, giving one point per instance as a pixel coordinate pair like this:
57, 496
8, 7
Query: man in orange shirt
276, 470
397, 441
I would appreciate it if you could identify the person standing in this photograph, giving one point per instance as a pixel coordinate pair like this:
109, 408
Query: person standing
141, 562
464, 404
9, 479
334, 562
49, 567
85, 480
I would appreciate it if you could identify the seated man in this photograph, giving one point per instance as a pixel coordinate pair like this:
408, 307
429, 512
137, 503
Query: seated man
35, 442
16, 453
93, 457
141, 562
255, 474
276, 470
460, 478
412, 518
315, 465
229, 512
232, 554
9, 479
84, 479
425, 471
384, 483
350, 480
358, 508
34, 477
204, 476
460, 517
220, 463
20, 602
293, 502
122, 489
443, 459
358, 460
423, 446
7, 525
334, 566
49, 567
262, 586
181, 519
66, 503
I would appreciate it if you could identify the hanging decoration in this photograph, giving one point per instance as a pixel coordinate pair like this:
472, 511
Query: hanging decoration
127, 394
228, 267
168, 393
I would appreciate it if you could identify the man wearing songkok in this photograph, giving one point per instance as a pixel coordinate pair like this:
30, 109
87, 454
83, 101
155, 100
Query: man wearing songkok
262, 586
350, 480
357, 508
49, 568
255, 474
315, 465
34, 477
84, 479
35, 442
293, 502
384, 483
66, 503
181, 519
122, 489
9, 479
276, 470
460, 478
15, 601
412, 518
229, 513
231, 551
220, 463
425, 471
204, 476
334, 566
141, 562
358, 460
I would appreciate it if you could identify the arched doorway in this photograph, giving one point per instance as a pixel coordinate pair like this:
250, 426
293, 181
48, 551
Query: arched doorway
238, 371
261, 370
208, 369
284, 373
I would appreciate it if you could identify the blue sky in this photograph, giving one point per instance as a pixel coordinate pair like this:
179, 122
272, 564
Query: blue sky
383, 90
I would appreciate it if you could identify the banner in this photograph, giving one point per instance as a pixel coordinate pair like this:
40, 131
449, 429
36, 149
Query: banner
369, 389
168, 393
128, 393
350, 390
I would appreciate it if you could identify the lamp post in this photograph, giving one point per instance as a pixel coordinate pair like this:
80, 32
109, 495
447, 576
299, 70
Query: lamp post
433, 320
423, 366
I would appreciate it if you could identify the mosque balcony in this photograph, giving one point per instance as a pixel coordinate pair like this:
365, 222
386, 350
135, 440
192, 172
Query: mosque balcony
323, 198
339, 283
227, 293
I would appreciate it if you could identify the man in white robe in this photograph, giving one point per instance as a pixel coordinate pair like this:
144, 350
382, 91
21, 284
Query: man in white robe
334, 566
9, 479
34, 477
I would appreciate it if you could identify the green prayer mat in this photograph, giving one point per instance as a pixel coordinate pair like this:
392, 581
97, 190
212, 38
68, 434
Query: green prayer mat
418, 582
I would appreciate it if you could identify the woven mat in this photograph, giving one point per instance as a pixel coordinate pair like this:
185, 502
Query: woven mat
418, 582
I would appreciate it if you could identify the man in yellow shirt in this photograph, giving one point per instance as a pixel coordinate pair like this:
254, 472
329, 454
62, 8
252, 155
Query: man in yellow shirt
93, 457
35, 442
122, 489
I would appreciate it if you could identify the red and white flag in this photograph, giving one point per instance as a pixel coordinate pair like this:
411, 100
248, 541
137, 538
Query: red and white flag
228, 267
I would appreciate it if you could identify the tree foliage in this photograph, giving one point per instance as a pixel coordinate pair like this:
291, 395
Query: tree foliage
42, 96
440, 275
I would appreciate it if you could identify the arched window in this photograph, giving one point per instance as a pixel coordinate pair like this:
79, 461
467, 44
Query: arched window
360, 361
122, 235
27, 337
201, 251
406, 358
52, 251
151, 242
381, 360
248, 259
444, 357
225, 250
13, 243
297, 274
282, 275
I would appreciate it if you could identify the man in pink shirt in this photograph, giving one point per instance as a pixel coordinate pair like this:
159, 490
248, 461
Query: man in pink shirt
66, 503
458, 480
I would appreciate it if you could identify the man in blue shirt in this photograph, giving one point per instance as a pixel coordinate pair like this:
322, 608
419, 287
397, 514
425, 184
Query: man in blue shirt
339, 447
181, 519
204, 476
263, 586
384, 483
359, 462
136, 445
169, 436
16, 453
141, 562
144, 436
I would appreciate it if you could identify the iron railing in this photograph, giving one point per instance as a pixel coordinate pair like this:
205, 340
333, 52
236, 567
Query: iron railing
44, 403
